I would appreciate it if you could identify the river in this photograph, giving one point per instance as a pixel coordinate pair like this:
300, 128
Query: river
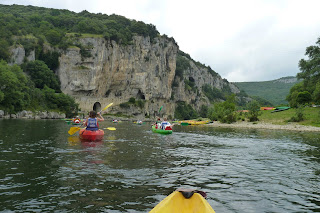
44, 169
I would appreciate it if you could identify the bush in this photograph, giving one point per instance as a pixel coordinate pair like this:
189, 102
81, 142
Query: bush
254, 110
299, 116
124, 105
224, 111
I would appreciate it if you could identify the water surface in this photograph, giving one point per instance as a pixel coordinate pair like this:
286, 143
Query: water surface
44, 169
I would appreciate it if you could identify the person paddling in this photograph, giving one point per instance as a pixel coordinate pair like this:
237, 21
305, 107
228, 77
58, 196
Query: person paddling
157, 123
76, 120
165, 123
91, 123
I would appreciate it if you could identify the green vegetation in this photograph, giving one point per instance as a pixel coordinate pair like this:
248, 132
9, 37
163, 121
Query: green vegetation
37, 87
32, 26
185, 111
254, 111
274, 92
299, 116
182, 63
308, 91
311, 116
224, 112
19, 91
134, 102
41, 75
212, 93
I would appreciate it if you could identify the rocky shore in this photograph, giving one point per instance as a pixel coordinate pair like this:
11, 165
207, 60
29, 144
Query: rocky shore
262, 125
32, 115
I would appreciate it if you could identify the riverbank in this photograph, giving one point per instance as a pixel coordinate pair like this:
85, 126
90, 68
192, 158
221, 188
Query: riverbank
33, 115
263, 125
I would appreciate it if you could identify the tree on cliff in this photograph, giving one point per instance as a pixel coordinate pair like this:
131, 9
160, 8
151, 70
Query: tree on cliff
42, 76
19, 23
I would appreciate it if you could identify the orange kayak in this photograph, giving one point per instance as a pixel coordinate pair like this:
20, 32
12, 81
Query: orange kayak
88, 135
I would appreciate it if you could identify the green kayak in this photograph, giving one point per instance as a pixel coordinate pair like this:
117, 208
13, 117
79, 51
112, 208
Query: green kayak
161, 131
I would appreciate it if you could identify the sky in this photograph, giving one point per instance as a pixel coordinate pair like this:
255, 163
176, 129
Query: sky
242, 40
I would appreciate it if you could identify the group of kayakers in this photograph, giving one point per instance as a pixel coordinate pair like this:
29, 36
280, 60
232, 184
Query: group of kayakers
161, 124
92, 122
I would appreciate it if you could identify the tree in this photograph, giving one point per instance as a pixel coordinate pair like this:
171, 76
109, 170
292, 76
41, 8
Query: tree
309, 89
4, 50
185, 111
203, 111
316, 94
224, 111
293, 94
310, 69
53, 36
254, 110
14, 93
304, 97
42, 76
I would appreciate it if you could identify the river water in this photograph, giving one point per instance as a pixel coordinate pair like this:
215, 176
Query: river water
44, 169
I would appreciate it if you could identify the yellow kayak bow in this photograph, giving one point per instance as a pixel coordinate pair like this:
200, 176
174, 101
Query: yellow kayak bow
176, 202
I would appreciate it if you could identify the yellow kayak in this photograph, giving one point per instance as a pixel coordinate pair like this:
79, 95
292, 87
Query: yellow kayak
193, 122
176, 202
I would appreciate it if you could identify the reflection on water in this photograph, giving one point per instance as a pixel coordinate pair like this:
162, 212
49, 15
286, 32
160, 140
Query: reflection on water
43, 168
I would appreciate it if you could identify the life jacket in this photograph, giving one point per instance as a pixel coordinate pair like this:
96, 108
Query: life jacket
164, 124
92, 124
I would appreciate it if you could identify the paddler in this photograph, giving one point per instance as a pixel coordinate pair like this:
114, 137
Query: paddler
92, 122
165, 123
77, 120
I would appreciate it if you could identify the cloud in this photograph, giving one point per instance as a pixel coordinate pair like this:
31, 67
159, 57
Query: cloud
248, 40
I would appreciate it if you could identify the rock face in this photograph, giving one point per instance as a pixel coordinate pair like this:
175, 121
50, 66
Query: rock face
18, 55
144, 71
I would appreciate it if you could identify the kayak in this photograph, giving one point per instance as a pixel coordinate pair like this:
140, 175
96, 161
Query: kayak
88, 135
181, 202
162, 131
193, 122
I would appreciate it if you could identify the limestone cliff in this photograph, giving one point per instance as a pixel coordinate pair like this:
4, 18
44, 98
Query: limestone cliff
144, 70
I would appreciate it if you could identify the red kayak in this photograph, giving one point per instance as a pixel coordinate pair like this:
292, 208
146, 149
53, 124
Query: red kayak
88, 135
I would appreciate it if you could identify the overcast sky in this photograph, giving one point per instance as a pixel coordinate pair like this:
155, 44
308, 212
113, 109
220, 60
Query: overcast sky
242, 40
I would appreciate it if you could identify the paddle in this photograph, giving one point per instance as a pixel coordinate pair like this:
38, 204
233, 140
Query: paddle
110, 128
73, 130
106, 107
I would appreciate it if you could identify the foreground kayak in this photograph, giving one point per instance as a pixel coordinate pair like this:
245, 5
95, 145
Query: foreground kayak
88, 135
177, 202
161, 131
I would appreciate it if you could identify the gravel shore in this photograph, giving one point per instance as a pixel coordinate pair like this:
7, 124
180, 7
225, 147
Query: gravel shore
261, 125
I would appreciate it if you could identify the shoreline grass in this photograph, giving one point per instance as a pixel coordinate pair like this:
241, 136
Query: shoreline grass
311, 117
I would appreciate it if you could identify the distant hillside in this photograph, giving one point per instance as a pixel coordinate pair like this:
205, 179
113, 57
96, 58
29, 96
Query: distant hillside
274, 91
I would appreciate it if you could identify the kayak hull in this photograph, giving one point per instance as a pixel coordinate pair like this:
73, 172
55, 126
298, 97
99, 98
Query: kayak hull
176, 202
88, 135
161, 131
